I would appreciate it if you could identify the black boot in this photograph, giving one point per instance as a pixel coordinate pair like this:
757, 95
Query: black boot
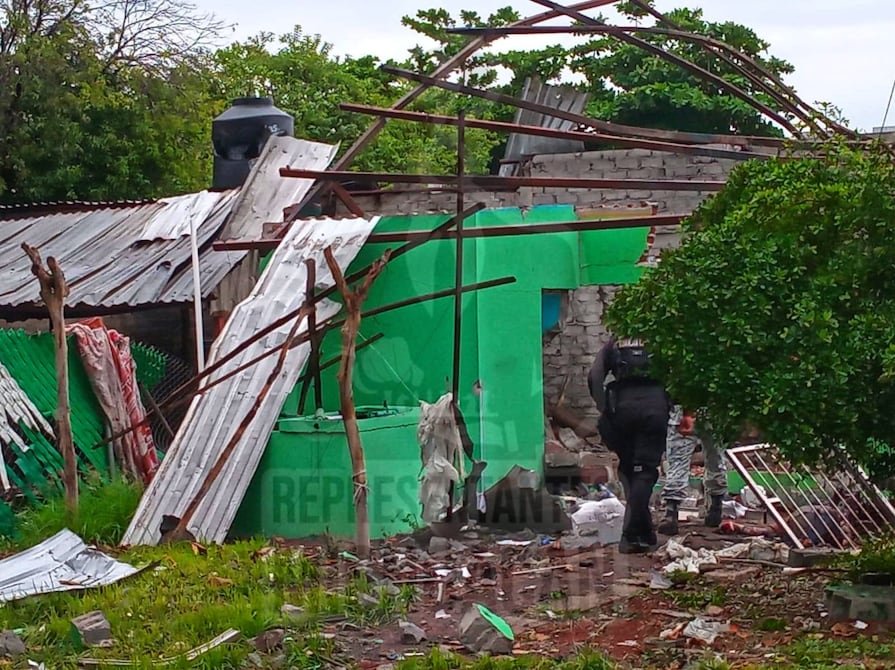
669, 525
713, 518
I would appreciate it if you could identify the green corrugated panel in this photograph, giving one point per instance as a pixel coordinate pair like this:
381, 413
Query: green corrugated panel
151, 364
30, 360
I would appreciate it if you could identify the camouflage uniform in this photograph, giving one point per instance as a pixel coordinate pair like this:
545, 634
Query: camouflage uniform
679, 451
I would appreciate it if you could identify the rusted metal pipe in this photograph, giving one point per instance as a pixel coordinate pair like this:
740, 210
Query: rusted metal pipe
677, 136
495, 182
488, 231
691, 67
442, 70
540, 131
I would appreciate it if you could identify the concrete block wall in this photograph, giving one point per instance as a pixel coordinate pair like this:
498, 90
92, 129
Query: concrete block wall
571, 352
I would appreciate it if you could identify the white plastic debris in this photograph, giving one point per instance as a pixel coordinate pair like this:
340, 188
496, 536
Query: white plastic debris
685, 559
440, 446
860, 625
603, 518
705, 631
750, 499
731, 509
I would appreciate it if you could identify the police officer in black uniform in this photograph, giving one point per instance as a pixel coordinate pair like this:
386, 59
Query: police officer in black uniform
634, 410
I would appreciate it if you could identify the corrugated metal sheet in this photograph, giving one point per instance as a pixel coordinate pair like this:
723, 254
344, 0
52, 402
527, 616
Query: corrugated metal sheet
213, 417
139, 254
558, 97
265, 194
61, 563
179, 213
17, 410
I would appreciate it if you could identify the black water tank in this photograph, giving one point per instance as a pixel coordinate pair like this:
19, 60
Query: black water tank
239, 135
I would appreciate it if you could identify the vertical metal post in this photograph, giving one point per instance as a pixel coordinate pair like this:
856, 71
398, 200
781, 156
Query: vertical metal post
458, 296
197, 297
458, 286
314, 341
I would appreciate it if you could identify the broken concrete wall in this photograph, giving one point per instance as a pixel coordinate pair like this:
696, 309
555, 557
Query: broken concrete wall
572, 351
615, 164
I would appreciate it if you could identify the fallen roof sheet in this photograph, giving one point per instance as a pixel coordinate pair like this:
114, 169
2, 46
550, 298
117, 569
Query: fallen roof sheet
214, 416
61, 563
265, 194
125, 256
17, 409
559, 97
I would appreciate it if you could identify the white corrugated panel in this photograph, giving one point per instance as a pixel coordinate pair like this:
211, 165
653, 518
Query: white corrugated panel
61, 563
265, 193
173, 220
16, 407
213, 417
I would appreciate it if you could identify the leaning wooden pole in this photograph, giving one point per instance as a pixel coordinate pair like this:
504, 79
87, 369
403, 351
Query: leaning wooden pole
354, 300
54, 291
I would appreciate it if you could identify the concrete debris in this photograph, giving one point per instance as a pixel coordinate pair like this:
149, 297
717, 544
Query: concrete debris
705, 631
92, 630
862, 602
411, 633
685, 559
292, 612
11, 645
269, 640
519, 502
603, 518
483, 632
366, 600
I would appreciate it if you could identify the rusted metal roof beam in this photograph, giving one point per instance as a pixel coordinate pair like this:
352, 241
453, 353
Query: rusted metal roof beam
486, 232
540, 131
690, 66
717, 48
677, 136
494, 182
709, 42
442, 70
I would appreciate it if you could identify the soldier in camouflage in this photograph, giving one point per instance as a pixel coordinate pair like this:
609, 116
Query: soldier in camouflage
684, 435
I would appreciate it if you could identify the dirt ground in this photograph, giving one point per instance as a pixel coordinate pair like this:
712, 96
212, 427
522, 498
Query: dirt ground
560, 602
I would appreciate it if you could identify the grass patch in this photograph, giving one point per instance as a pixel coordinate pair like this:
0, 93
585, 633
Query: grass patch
814, 653
193, 596
439, 660
771, 625
104, 511
696, 598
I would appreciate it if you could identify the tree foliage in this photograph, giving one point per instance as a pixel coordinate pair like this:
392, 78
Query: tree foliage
626, 84
308, 81
97, 103
777, 311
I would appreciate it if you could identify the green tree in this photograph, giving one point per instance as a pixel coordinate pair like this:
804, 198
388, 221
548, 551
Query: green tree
627, 84
96, 103
308, 81
777, 311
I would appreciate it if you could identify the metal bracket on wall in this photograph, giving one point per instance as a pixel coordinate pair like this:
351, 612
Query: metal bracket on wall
834, 505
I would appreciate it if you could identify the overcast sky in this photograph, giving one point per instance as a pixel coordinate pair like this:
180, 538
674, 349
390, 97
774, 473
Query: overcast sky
843, 50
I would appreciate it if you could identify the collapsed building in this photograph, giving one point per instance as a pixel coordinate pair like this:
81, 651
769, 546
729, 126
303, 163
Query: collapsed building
493, 293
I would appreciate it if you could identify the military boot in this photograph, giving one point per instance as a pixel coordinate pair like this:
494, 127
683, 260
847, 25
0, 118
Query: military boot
669, 525
713, 517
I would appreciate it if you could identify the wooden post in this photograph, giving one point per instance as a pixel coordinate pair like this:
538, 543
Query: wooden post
54, 291
354, 299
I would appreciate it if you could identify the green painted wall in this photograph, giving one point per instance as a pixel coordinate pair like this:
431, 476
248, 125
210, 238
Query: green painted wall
501, 347
303, 485
501, 343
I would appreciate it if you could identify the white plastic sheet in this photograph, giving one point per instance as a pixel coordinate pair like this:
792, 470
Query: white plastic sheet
440, 447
